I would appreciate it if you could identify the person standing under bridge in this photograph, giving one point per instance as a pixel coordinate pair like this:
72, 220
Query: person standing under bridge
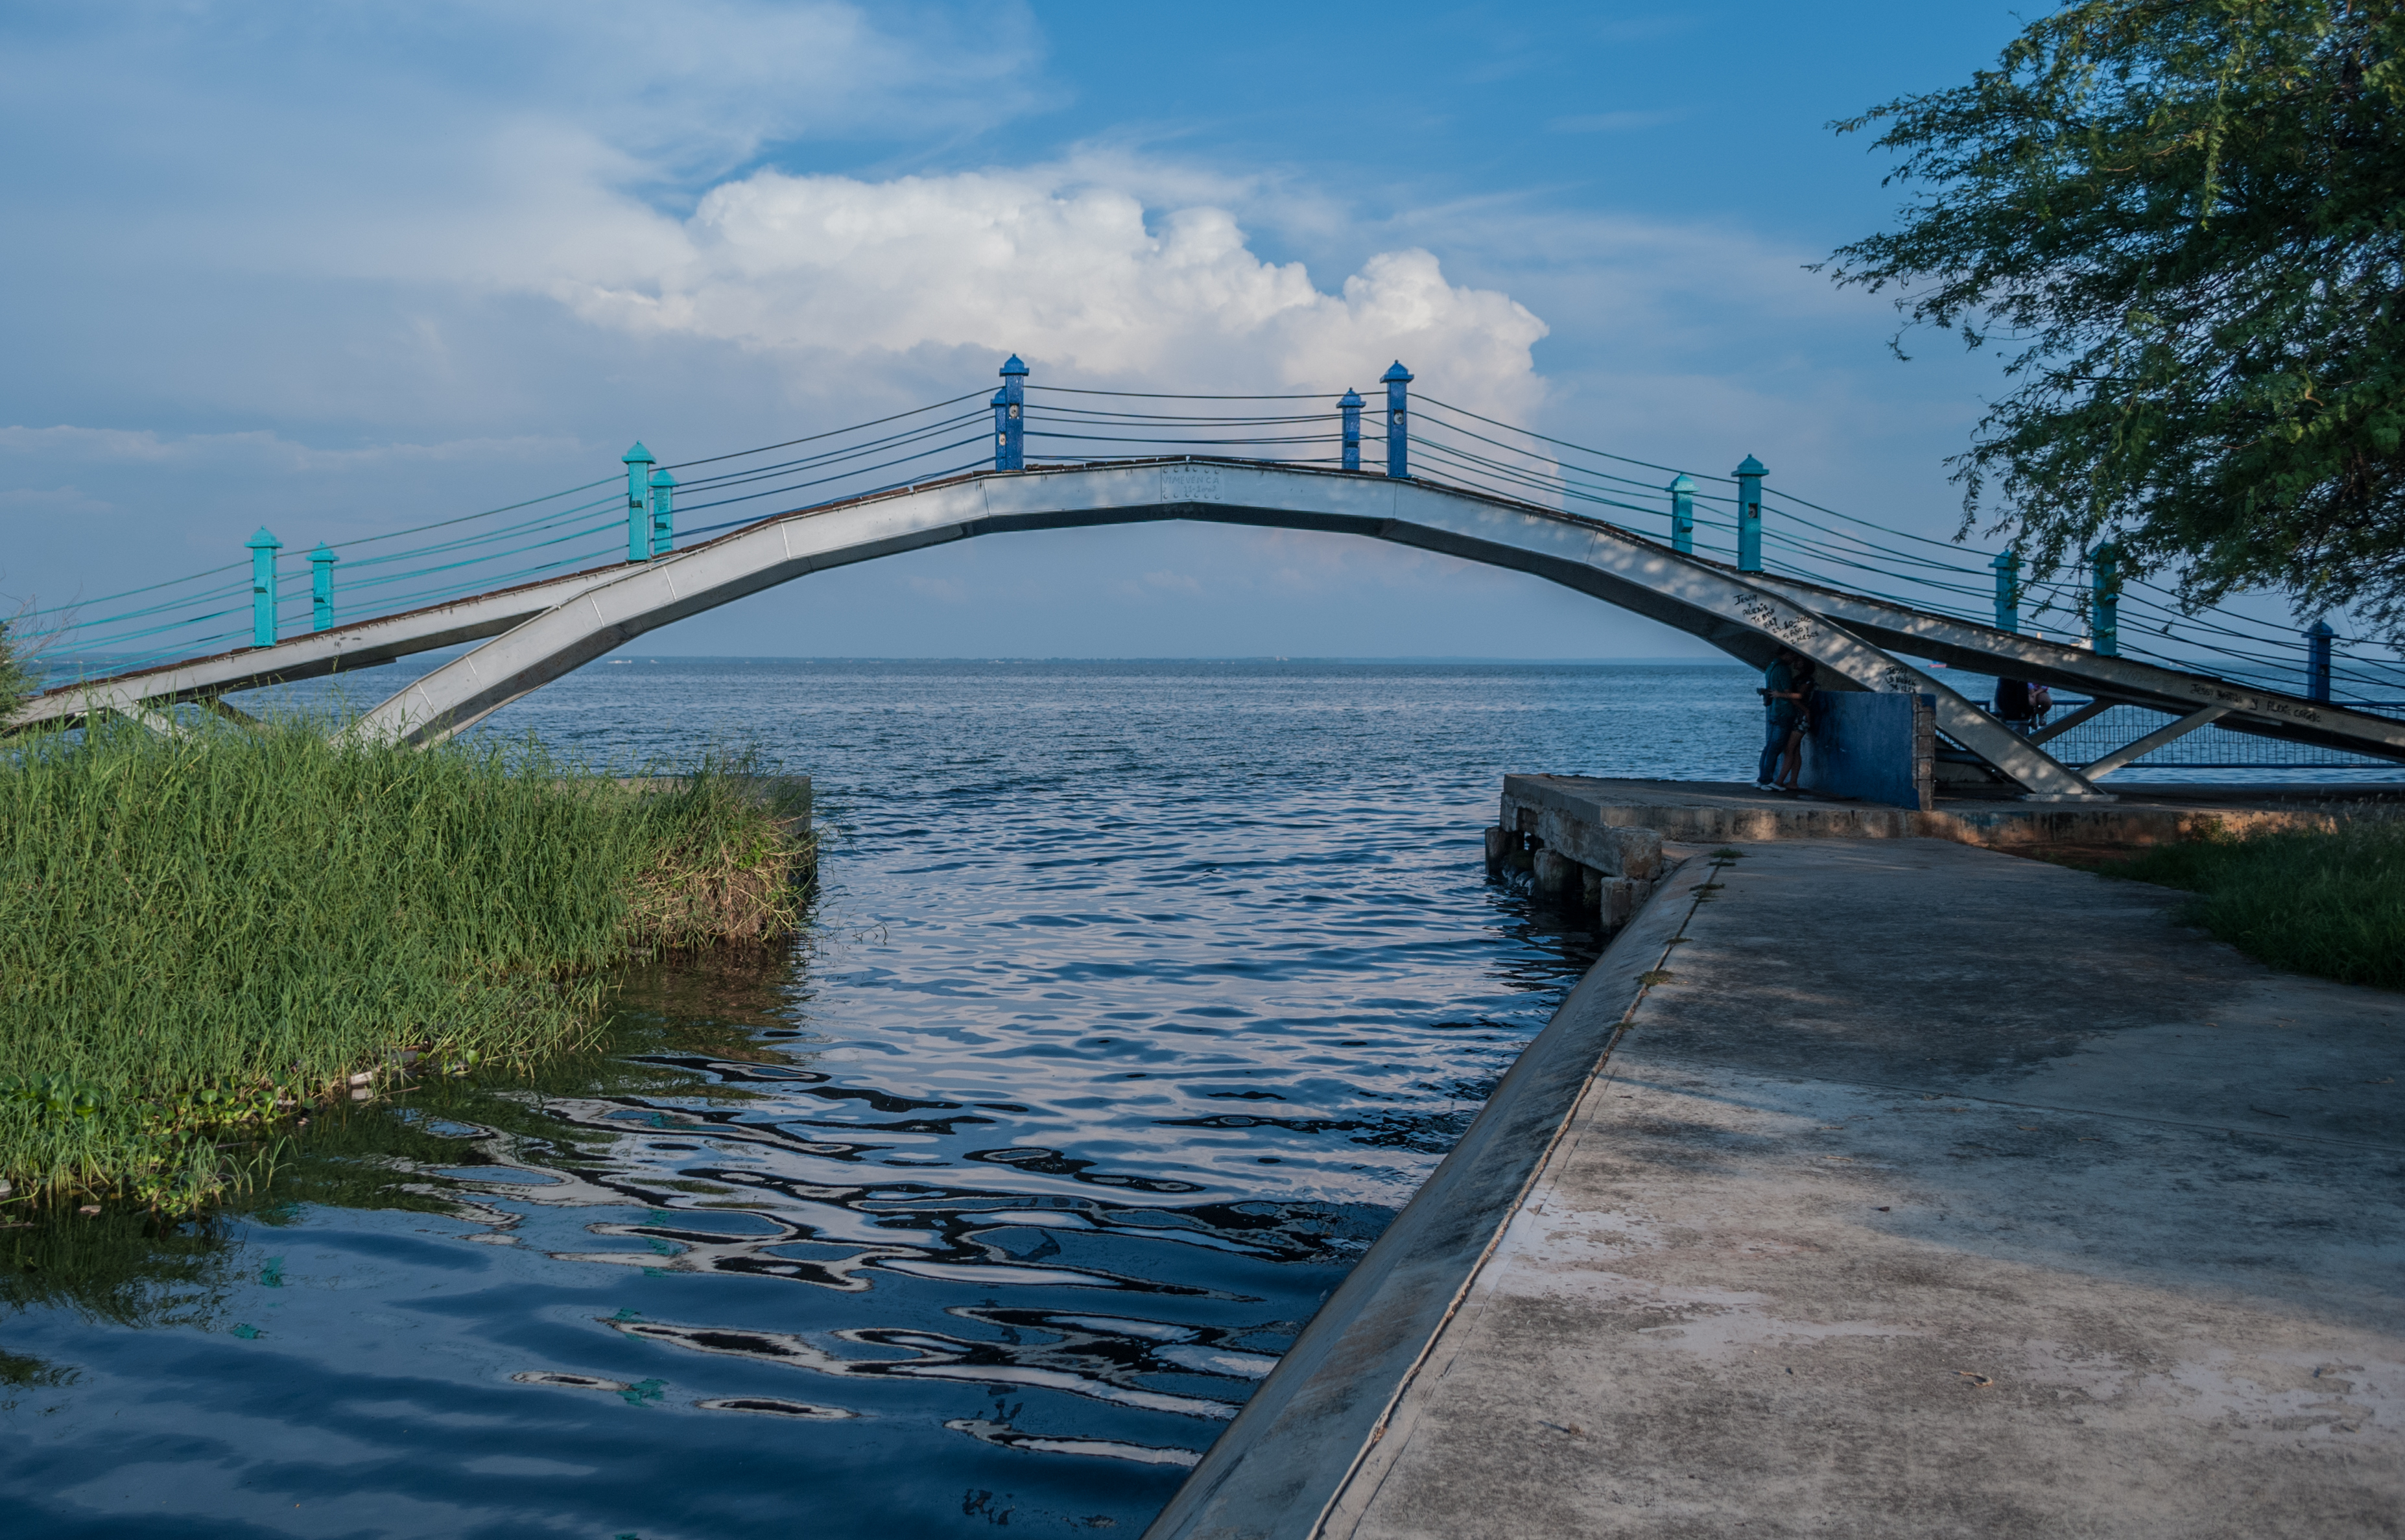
2014, 707
1782, 696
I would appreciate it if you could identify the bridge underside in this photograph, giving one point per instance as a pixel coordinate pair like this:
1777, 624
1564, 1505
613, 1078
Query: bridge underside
534, 633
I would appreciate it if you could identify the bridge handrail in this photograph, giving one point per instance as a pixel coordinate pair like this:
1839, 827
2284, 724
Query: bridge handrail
1822, 545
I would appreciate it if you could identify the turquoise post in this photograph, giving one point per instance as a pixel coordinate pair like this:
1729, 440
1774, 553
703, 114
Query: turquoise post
1682, 515
1398, 427
263, 547
639, 463
2317, 660
1010, 417
2008, 592
1350, 405
1748, 514
321, 587
2104, 600
662, 513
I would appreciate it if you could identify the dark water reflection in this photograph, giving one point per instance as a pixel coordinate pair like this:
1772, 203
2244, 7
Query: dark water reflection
1142, 996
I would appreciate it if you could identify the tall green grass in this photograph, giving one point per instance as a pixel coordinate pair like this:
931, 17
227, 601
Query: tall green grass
15, 674
200, 934
2330, 903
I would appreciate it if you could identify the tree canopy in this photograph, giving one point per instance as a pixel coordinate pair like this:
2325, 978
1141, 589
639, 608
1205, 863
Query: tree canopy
2184, 221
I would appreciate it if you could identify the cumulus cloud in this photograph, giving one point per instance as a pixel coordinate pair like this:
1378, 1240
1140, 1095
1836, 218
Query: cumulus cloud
1076, 273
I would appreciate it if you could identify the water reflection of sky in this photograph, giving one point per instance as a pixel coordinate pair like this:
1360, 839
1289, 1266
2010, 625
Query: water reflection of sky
1142, 995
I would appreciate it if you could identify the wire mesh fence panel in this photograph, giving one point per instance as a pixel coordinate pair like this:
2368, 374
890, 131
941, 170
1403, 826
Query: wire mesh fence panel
2208, 748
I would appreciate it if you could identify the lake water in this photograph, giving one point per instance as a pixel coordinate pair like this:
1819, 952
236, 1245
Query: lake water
1140, 997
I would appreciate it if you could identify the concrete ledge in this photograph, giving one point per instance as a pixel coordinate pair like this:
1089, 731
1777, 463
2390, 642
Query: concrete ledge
1279, 1465
1615, 851
1706, 812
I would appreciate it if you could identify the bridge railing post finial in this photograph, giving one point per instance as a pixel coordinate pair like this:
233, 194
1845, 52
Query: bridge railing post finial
639, 463
1750, 473
1350, 405
263, 547
2104, 599
2008, 591
1010, 417
662, 513
321, 587
1682, 515
2317, 660
1398, 427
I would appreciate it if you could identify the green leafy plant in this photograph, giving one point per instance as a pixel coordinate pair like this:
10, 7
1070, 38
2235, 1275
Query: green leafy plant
2186, 220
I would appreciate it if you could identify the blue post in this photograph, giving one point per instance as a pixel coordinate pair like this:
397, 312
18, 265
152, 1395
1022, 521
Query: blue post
639, 464
2317, 660
662, 513
2104, 599
1748, 514
1398, 427
1682, 515
2008, 591
321, 587
263, 547
1010, 417
1351, 406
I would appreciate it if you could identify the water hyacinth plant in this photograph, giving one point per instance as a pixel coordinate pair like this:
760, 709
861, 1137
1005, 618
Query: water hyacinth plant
202, 935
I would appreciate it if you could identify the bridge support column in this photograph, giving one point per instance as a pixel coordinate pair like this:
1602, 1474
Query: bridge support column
662, 513
1682, 515
2317, 660
263, 547
321, 587
2104, 600
1351, 407
1010, 417
1557, 879
1748, 513
1398, 428
639, 463
2008, 592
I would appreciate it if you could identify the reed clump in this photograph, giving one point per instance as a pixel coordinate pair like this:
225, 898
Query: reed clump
201, 936
15, 674
2324, 902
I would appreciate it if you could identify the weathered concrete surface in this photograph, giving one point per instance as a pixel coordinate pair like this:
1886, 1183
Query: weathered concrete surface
1707, 811
1278, 1464
1937, 1193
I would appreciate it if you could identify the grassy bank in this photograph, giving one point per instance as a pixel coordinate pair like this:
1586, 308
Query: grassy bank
201, 936
2331, 903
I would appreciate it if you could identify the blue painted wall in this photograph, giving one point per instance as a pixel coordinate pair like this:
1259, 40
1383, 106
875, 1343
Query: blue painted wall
1872, 747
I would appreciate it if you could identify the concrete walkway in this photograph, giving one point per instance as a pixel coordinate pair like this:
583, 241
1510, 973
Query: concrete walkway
1935, 1191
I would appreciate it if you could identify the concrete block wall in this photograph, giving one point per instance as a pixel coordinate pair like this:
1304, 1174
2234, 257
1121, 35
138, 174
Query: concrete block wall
1606, 870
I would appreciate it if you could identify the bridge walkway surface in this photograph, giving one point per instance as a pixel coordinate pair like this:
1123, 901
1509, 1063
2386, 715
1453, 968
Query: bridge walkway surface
1879, 1187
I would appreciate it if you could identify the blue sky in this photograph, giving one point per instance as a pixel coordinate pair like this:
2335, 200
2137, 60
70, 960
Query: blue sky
340, 268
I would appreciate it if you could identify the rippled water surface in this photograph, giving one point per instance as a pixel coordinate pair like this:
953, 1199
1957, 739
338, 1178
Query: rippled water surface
1140, 997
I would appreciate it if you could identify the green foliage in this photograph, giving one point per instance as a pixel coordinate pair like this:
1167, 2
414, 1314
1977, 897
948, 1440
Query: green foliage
16, 677
2187, 218
2331, 903
202, 933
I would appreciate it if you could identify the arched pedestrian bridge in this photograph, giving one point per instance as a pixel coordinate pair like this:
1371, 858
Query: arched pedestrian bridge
533, 632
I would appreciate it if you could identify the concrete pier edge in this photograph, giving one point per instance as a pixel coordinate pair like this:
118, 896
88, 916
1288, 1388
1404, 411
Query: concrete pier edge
1288, 1459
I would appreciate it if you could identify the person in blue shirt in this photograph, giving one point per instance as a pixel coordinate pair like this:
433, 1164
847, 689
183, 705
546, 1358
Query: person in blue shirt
1782, 694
